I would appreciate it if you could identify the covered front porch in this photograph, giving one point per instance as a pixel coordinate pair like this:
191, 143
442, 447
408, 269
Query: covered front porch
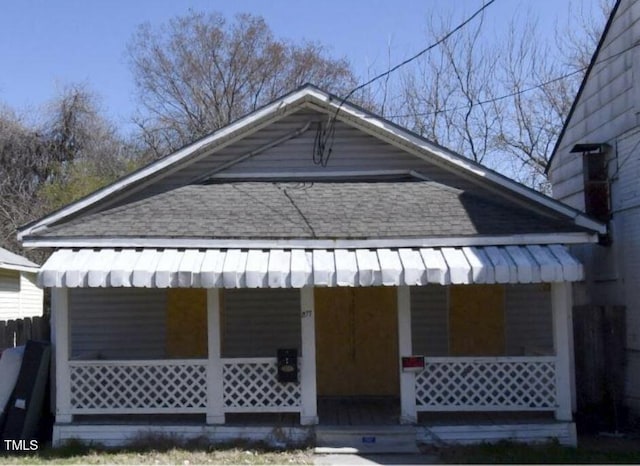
163, 343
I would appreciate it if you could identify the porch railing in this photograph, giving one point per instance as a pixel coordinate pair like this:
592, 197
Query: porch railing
178, 386
487, 384
251, 385
140, 387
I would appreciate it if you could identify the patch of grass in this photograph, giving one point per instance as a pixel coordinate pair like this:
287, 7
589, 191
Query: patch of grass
549, 453
155, 450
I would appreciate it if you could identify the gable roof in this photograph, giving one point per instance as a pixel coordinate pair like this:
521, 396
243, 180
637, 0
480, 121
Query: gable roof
310, 97
11, 261
585, 78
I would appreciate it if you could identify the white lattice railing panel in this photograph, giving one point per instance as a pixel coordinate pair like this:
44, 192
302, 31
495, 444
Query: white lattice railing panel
487, 384
167, 386
251, 385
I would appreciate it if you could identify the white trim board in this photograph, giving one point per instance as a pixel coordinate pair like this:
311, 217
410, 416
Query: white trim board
311, 97
19, 268
101, 242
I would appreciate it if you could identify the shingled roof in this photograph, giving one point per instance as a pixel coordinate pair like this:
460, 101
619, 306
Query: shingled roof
328, 210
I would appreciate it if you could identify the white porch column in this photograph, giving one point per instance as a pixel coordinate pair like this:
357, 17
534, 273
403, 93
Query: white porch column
309, 400
60, 343
561, 303
408, 413
215, 408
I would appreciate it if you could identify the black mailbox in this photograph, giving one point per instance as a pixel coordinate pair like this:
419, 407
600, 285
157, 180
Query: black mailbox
288, 365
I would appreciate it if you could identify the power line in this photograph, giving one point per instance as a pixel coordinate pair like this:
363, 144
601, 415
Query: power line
322, 151
488, 101
513, 94
420, 53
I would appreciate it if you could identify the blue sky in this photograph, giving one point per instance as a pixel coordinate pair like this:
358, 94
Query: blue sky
45, 44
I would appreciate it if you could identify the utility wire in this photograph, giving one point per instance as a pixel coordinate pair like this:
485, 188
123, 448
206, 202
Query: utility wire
513, 94
324, 137
419, 54
488, 101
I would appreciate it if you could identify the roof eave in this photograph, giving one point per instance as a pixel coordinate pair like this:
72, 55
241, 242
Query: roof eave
305, 243
19, 268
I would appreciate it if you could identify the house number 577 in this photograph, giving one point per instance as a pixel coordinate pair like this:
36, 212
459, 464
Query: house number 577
306, 313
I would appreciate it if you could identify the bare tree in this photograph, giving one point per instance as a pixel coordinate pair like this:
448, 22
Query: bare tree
45, 164
441, 96
501, 103
199, 72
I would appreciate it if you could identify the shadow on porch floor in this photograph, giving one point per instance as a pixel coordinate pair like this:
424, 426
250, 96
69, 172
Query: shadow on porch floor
358, 411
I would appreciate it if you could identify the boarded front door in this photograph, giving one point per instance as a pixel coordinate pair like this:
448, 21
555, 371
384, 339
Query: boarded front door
356, 341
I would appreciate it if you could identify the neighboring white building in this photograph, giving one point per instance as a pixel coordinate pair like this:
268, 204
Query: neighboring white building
604, 123
19, 295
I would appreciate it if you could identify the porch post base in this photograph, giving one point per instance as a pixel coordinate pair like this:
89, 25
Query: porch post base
562, 414
308, 420
408, 419
216, 419
64, 418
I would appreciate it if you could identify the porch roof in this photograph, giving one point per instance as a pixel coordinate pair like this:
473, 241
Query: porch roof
295, 268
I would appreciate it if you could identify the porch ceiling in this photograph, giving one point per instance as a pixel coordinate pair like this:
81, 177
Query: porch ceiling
295, 268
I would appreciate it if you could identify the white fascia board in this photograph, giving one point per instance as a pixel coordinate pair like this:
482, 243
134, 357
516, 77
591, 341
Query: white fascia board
19, 268
204, 243
228, 135
448, 159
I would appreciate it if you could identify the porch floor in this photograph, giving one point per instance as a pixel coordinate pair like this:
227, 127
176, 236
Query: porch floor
358, 411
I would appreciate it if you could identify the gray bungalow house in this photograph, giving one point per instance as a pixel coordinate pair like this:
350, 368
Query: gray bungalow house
237, 288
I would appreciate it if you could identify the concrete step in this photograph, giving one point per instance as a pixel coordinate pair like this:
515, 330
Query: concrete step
365, 439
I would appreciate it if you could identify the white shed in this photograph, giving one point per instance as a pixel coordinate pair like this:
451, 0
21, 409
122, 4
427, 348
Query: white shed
20, 296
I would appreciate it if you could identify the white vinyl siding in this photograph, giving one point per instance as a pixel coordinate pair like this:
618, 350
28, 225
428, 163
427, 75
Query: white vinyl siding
353, 151
528, 323
31, 297
20, 297
256, 322
9, 294
430, 320
117, 323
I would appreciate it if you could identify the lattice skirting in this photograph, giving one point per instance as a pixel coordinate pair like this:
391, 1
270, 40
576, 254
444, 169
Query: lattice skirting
251, 385
138, 387
487, 384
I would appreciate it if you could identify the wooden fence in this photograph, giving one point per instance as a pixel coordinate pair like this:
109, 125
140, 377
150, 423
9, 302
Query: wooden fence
599, 349
16, 332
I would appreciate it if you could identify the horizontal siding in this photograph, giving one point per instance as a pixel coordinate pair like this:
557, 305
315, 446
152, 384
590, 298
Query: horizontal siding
353, 150
528, 324
256, 322
117, 323
9, 294
625, 170
629, 223
429, 320
31, 297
